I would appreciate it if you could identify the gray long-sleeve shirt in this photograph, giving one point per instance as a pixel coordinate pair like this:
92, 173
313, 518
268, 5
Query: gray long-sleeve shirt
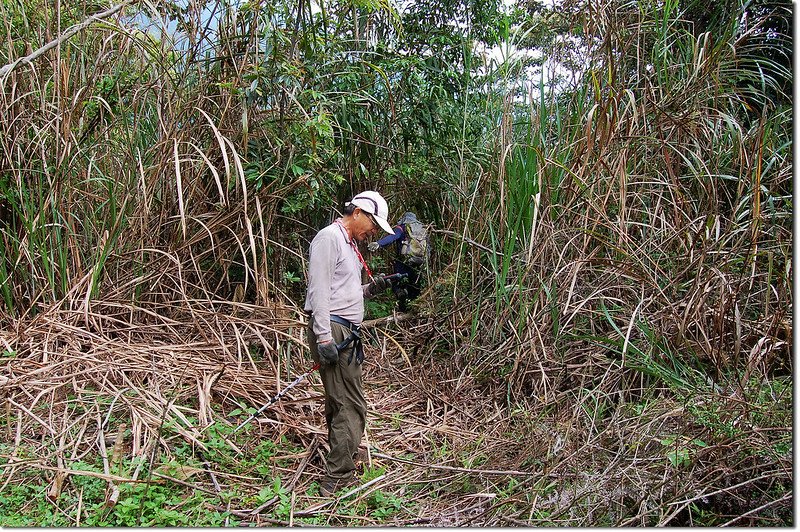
334, 280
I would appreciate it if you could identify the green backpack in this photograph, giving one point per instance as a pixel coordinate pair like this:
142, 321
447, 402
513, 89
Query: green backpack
414, 249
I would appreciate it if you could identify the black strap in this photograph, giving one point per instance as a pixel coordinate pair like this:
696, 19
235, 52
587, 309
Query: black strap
342, 321
354, 338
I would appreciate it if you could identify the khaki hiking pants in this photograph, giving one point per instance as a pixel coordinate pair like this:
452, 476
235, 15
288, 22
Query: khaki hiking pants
345, 406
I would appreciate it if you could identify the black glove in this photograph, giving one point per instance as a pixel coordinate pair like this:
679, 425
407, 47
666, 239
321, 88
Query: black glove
328, 353
378, 285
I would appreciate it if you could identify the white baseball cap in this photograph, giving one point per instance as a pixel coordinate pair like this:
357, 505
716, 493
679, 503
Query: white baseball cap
373, 203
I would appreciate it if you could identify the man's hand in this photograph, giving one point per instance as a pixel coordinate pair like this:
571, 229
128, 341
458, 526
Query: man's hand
328, 353
379, 284
373, 246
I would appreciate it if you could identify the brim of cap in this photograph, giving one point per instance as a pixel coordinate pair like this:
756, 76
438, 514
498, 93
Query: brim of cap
384, 224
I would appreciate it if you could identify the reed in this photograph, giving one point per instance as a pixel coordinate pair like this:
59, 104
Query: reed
605, 338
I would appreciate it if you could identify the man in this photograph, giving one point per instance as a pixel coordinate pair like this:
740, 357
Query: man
335, 303
410, 257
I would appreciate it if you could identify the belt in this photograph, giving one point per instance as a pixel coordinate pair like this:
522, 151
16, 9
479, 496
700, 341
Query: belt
354, 338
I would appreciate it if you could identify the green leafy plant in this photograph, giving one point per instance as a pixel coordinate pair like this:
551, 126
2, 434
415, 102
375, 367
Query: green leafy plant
681, 450
384, 505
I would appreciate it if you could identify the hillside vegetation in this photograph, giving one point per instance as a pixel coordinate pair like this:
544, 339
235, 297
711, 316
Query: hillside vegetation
605, 337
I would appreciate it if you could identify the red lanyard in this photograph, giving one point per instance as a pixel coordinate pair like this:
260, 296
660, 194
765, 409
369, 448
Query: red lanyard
355, 248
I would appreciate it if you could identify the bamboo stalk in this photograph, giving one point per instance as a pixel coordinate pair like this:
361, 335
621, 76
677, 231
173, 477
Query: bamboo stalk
22, 61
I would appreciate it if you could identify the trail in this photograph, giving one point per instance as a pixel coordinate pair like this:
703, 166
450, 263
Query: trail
433, 445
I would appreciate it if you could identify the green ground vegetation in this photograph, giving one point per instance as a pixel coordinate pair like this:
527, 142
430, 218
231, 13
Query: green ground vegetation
605, 333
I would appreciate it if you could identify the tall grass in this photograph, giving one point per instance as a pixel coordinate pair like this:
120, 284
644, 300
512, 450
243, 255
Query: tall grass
656, 185
632, 251
120, 169
618, 289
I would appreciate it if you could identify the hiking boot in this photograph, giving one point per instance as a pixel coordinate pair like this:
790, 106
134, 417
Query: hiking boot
362, 455
330, 486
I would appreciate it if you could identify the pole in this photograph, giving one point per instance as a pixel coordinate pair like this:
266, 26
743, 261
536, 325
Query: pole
274, 399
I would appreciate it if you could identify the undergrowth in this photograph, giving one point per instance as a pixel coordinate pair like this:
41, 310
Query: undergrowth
604, 337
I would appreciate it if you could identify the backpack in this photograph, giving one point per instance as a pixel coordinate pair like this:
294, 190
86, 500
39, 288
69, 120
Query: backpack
414, 248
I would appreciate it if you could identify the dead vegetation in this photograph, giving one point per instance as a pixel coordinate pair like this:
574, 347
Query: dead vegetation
605, 340
120, 383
